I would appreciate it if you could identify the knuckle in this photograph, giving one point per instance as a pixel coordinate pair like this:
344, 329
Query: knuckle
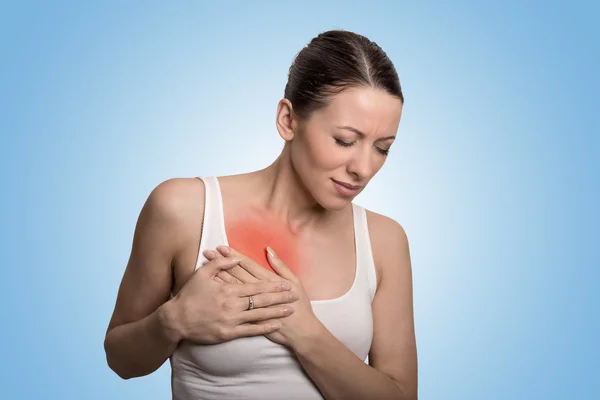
270, 299
259, 329
223, 333
274, 312
227, 320
276, 287
264, 287
227, 291
290, 296
222, 274
220, 290
251, 330
229, 305
222, 261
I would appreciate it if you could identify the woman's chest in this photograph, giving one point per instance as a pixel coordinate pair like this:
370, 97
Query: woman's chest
324, 262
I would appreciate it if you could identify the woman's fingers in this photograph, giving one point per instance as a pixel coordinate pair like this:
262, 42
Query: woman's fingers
246, 330
264, 294
265, 300
256, 288
264, 314
225, 276
222, 276
214, 267
238, 273
249, 265
279, 266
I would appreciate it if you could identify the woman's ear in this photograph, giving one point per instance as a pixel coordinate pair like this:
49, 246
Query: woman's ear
286, 121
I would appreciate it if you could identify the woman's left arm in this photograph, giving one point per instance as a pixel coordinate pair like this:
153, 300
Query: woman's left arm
392, 369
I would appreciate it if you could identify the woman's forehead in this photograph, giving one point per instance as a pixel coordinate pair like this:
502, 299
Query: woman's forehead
362, 108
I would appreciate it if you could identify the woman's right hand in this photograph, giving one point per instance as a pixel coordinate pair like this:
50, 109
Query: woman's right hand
206, 311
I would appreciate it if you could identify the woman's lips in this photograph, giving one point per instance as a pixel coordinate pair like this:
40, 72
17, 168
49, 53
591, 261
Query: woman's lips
346, 189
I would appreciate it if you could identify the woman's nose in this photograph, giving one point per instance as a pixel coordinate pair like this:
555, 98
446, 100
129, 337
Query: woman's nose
360, 165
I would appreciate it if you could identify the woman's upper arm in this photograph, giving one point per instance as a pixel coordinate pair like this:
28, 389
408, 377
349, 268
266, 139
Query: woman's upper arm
159, 235
393, 350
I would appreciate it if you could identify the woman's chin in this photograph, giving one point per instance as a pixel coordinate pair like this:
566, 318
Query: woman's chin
336, 203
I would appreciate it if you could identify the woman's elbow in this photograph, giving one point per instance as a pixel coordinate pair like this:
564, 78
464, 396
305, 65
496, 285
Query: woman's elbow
113, 362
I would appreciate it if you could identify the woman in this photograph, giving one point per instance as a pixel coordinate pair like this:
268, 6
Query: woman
273, 284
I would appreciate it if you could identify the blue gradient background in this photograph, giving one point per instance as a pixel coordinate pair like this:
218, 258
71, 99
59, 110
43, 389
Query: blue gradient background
495, 175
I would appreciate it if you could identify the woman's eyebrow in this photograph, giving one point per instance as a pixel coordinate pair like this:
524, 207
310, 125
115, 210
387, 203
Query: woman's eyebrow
361, 134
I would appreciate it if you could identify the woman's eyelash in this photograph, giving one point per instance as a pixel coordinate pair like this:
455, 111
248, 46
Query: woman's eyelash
339, 142
343, 144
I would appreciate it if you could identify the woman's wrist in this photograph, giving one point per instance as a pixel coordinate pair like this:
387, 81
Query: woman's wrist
306, 342
168, 321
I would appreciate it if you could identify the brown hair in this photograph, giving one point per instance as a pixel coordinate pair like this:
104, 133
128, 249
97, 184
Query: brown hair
333, 61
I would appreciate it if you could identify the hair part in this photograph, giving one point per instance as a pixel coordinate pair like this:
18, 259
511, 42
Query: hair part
334, 61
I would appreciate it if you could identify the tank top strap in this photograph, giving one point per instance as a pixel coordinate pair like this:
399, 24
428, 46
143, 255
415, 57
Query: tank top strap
364, 253
213, 224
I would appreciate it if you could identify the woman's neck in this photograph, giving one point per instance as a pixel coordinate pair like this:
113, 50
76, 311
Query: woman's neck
279, 193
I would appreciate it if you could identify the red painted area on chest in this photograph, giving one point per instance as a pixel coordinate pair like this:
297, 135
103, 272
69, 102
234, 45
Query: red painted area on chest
252, 236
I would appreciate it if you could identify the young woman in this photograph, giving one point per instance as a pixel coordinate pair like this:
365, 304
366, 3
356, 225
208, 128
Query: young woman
273, 284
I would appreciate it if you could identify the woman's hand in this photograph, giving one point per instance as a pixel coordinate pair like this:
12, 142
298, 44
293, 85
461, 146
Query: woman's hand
296, 328
208, 312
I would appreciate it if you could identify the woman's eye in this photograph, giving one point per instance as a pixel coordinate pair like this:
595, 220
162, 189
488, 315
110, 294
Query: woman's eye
385, 152
381, 151
342, 143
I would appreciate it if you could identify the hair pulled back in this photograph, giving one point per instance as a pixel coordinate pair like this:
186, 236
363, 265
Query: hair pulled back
333, 61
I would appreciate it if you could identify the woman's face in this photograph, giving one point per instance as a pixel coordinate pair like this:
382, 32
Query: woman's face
345, 144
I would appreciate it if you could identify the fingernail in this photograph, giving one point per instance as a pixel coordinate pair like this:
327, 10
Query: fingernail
285, 286
209, 254
270, 251
275, 325
224, 250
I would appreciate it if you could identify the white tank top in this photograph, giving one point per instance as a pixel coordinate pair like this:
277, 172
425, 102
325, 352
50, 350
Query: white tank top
255, 367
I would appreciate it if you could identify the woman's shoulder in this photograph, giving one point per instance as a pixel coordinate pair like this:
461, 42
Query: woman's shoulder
175, 197
176, 205
383, 226
389, 241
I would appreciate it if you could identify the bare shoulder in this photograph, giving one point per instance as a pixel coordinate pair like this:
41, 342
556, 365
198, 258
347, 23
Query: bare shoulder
179, 203
388, 241
175, 197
